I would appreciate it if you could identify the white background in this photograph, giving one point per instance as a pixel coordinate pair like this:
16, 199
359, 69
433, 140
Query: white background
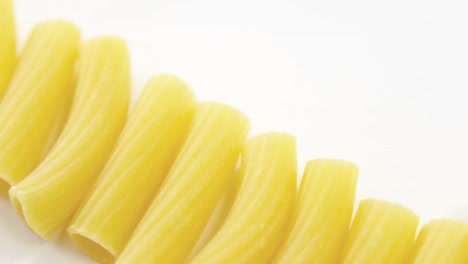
380, 83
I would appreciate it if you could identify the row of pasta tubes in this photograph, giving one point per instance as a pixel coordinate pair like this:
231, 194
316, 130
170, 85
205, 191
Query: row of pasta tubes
143, 188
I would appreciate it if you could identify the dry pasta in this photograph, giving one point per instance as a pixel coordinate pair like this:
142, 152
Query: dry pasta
165, 186
381, 232
219, 214
442, 241
144, 153
35, 108
7, 44
256, 223
47, 198
323, 212
171, 226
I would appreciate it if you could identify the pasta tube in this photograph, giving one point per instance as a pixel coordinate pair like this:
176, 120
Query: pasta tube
144, 154
7, 44
193, 187
322, 214
441, 241
52, 192
219, 214
256, 223
36, 106
382, 232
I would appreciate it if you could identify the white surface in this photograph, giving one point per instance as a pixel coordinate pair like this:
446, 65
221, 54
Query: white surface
381, 83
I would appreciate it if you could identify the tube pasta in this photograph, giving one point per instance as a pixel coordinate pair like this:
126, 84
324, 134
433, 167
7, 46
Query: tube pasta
442, 241
47, 198
323, 212
7, 44
256, 224
35, 108
149, 144
171, 226
382, 232
163, 187
219, 214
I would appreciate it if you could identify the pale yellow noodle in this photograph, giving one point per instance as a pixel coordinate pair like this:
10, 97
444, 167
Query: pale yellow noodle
381, 232
48, 197
7, 44
144, 154
256, 224
442, 241
176, 218
35, 108
219, 214
322, 214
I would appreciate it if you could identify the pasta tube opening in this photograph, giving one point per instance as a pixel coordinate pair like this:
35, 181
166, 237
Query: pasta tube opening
93, 248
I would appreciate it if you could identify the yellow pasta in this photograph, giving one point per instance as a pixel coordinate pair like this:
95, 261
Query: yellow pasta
256, 224
47, 198
382, 232
219, 214
322, 214
7, 44
442, 241
193, 187
35, 108
232, 189
149, 144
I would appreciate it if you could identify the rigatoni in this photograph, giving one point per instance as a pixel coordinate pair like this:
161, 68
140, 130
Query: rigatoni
442, 241
255, 226
381, 232
52, 192
35, 108
144, 154
322, 213
219, 214
193, 187
7, 44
